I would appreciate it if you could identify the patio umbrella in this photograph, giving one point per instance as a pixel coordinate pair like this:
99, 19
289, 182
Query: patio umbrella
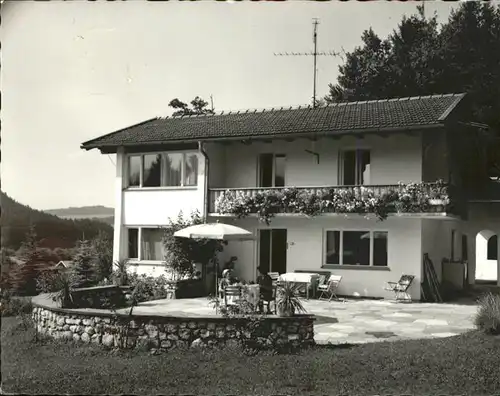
218, 231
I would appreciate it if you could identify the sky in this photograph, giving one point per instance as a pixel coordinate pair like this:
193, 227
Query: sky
72, 71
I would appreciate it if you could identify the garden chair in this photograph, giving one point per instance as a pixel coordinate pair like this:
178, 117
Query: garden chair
401, 287
267, 302
321, 281
232, 295
274, 276
330, 287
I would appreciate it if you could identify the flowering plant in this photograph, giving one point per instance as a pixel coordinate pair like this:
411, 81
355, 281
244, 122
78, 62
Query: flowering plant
403, 198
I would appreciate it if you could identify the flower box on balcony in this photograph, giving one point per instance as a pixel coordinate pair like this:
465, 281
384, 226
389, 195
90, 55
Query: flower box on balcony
311, 201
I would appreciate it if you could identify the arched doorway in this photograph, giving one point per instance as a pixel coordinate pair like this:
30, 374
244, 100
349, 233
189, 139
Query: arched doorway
486, 256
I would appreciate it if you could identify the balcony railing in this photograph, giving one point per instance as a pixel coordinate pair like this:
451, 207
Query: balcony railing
409, 198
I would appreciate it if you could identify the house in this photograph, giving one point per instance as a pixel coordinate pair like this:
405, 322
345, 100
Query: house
64, 264
354, 154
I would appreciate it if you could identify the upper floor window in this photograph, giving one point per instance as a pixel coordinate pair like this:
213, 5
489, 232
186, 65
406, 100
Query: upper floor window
272, 170
354, 167
163, 170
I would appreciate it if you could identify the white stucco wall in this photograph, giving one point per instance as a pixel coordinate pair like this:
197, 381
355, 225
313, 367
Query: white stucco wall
482, 217
395, 158
437, 241
305, 251
147, 269
156, 207
485, 269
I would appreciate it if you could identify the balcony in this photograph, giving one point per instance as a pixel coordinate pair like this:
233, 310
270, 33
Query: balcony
380, 200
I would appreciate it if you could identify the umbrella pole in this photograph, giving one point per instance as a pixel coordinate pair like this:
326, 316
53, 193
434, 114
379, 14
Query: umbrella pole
216, 285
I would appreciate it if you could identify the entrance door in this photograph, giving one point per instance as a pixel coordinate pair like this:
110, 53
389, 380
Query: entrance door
272, 250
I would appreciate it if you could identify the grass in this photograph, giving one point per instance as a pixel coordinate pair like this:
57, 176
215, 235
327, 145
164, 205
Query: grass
15, 305
466, 364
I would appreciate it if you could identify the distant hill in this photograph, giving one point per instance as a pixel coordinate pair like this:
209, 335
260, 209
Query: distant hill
16, 219
98, 213
83, 212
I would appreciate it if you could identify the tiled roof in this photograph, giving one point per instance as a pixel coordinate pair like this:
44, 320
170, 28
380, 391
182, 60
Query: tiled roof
387, 114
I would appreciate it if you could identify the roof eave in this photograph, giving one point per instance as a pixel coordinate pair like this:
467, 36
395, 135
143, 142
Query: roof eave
111, 148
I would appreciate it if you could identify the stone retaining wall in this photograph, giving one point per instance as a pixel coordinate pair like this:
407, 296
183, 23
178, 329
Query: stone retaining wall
163, 333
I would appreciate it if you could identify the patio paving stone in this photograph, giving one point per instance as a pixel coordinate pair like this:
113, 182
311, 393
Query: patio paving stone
354, 321
443, 335
432, 322
381, 334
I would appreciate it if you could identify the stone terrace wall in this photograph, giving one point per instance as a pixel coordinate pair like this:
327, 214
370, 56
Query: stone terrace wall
163, 333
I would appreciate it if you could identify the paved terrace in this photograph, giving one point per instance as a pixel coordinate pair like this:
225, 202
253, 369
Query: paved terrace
353, 321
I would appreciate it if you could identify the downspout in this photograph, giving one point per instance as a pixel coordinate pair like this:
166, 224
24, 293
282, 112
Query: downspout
205, 193
206, 206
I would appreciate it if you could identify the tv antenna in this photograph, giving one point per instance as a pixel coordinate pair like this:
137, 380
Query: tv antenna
314, 54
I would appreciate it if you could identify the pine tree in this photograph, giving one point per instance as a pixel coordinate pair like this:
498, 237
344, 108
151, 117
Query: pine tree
102, 246
83, 270
24, 276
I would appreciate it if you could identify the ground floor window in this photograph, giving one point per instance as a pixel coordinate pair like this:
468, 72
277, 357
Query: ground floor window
367, 248
145, 244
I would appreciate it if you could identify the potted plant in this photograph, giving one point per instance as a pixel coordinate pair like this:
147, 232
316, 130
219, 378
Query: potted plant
64, 284
120, 275
287, 299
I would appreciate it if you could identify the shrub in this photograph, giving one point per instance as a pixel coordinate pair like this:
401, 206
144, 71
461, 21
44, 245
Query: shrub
182, 253
488, 316
15, 306
148, 288
47, 281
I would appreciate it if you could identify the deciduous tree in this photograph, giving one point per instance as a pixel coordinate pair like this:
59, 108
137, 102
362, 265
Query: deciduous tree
422, 58
198, 107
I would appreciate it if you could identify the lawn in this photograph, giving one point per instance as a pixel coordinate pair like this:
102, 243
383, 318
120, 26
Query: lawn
467, 364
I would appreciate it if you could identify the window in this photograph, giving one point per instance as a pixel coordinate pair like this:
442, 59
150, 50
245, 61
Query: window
150, 246
333, 247
152, 170
174, 169
368, 248
163, 170
354, 167
134, 171
133, 243
272, 170
380, 249
190, 169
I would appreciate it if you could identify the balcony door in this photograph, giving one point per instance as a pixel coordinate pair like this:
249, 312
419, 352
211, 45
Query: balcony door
271, 170
354, 167
272, 250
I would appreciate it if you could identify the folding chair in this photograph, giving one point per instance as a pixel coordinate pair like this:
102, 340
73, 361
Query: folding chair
232, 294
330, 287
267, 302
274, 276
321, 281
401, 287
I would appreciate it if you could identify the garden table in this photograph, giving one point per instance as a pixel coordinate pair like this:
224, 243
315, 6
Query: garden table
306, 278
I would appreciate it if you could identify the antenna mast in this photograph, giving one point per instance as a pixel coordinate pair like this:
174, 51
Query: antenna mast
315, 54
